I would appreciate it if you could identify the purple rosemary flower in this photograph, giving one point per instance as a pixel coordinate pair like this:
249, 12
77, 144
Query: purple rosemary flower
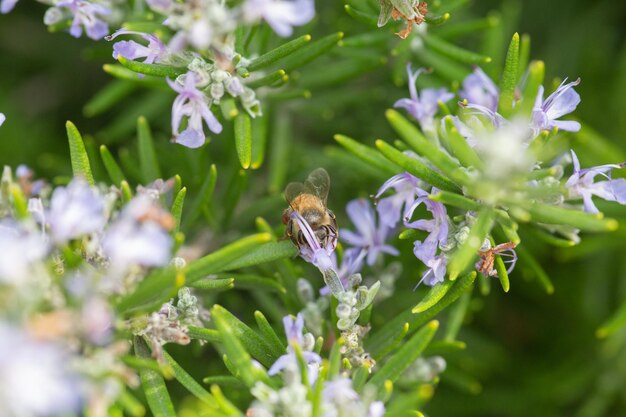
437, 227
281, 15
2, 118
294, 331
35, 379
155, 51
139, 236
314, 252
76, 210
390, 208
563, 101
581, 184
422, 107
191, 103
87, 15
370, 236
5, 7
479, 89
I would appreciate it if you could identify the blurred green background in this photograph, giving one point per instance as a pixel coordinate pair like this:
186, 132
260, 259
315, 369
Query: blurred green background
528, 353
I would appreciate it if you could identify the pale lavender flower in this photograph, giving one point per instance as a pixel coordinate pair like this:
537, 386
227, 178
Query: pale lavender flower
581, 184
155, 51
21, 249
5, 7
563, 101
281, 15
191, 103
34, 377
479, 89
437, 227
314, 253
370, 236
87, 15
2, 118
390, 208
138, 237
294, 331
422, 107
76, 210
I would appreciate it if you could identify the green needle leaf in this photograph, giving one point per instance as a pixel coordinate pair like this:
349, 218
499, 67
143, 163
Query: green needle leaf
148, 162
218, 260
460, 148
590, 222
241, 361
210, 335
153, 385
533, 267
268, 332
509, 78
275, 54
615, 323
310, 52
212, 284
365, 153
405, 356
378, 341
158, 70
78, 154
188, 382
243, 139
111, 166
232, 330
177, 208
109, 96
433, 296
452, 51
411, 135
415, 167
267, 252
464, 255
259, 141
363, 17
204, 196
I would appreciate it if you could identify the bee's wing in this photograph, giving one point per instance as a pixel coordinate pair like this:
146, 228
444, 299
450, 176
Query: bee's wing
293, 190
318, 183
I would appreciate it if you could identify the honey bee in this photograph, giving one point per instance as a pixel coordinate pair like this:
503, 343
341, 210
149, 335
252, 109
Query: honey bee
309, 200
488, 257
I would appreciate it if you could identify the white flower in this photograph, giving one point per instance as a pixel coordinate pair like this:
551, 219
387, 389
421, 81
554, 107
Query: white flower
281, 15
20, 250
139, 236
34, 379
75, 211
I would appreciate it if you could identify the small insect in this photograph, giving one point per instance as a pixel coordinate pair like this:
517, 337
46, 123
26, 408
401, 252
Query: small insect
488, 258
309, 199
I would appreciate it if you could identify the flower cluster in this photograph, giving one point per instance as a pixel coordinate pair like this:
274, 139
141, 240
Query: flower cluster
67, 254
497, 162
338, 397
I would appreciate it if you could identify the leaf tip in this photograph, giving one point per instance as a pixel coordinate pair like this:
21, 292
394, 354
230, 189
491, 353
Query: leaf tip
433, 325
611, 225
